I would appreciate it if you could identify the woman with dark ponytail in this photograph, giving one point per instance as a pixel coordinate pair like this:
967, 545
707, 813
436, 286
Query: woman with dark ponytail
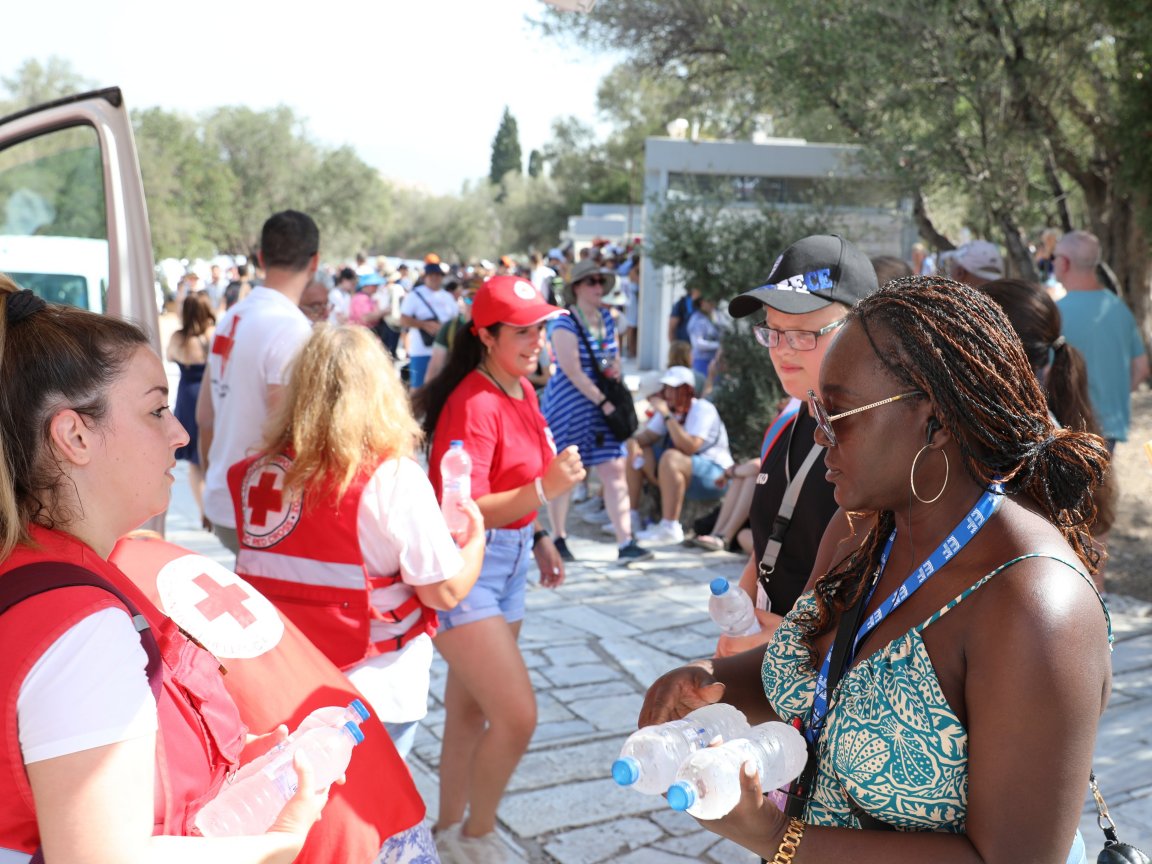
1060, 369
973, 650
483, 399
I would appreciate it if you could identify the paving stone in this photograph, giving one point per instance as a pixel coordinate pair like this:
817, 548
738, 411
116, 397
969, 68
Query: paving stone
592, 620
567, 676
645, 664
612, 713
674, 822
602, 842
573, 805
692, 845
651, 855
543, 629
564, 730
568, 655
555, 765
584, 692
551, 710
1131, 654
727, 852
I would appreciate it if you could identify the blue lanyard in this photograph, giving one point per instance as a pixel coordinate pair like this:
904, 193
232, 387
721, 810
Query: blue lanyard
956, 540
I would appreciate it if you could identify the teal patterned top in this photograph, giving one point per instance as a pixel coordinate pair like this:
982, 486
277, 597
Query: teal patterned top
891, 745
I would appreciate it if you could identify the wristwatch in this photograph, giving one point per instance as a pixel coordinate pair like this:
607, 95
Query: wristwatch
538, 536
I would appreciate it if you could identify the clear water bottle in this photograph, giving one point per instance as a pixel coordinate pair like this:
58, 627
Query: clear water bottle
456, 486
251, 805
708, 783
650, 757
330, 715
732, 609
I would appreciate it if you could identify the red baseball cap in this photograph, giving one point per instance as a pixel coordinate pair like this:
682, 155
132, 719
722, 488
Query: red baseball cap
511, 300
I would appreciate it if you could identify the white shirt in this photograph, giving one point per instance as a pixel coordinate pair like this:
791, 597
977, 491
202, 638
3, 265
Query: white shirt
340, 301
401, 529
540, 277
254, 343
703, 421
443, 307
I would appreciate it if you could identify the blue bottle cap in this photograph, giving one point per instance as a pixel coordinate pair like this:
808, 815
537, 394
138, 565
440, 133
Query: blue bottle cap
626, 770
718, 586
358, 706
354, 731
681, 795
455, 443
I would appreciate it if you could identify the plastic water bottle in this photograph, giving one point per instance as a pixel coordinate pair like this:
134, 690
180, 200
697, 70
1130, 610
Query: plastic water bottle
732, 609
330, 715
251, 805
650, 757
456, 486
708, 783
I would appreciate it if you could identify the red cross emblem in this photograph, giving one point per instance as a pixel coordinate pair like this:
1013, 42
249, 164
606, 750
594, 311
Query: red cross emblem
264, 498
223, 343
223, 600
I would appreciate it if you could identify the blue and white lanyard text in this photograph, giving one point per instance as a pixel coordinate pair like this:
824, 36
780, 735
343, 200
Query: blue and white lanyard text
956, 540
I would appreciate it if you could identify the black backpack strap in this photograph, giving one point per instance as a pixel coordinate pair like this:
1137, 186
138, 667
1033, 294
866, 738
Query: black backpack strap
29, 580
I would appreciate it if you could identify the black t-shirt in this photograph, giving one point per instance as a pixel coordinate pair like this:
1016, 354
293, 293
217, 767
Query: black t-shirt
814, 509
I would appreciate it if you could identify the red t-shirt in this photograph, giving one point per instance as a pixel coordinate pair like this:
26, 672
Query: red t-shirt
508, 439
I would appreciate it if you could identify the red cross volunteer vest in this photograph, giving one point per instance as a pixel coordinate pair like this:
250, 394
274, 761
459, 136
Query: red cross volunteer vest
200, 732
277, 676
303, 554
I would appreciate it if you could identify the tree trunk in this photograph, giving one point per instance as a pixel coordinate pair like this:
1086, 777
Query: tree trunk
1124, 245
926, 228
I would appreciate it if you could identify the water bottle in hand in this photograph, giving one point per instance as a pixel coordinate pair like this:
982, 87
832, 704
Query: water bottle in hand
250, 806
708, 783
330, 715
732, 609
455, 486
650, 757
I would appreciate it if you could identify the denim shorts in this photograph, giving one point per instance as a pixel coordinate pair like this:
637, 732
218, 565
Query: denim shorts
502, 583
703, 487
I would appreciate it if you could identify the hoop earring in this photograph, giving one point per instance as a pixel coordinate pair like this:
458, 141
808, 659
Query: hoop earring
912, 477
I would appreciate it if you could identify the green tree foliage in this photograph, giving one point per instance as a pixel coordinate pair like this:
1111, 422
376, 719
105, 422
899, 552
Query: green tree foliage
724, 251
535, 163
506, 155
1029, 108
34, 83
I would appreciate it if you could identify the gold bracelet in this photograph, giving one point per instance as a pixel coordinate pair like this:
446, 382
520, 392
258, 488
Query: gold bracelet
790, 843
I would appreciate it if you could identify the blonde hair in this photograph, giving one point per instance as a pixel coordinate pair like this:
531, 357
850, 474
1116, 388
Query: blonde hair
344, 408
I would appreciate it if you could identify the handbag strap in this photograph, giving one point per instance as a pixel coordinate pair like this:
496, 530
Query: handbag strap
1104, 820
596, 370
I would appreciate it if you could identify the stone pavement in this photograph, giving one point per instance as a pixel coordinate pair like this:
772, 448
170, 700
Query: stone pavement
594, 645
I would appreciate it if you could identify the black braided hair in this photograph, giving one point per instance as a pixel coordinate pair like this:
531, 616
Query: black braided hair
956, 345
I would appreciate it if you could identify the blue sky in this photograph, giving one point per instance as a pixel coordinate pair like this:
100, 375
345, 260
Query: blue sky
416, 87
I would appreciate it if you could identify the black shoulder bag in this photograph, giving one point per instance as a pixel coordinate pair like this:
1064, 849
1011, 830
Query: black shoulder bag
1114, 851
623, 421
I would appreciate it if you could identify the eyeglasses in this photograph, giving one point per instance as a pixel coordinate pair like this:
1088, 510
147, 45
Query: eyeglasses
798, 340
824, 420
593, 280
315, 308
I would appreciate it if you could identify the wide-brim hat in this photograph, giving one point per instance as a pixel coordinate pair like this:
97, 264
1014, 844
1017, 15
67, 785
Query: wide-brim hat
367, 279
513, 301
813, 272
587, 268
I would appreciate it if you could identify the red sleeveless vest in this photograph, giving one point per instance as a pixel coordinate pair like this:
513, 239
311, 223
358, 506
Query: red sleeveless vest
303, 554
277, 676
200, 733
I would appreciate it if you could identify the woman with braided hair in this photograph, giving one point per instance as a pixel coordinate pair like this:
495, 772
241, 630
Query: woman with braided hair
972, 652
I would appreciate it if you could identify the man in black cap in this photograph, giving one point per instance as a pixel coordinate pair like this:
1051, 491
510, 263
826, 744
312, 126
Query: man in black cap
804, 302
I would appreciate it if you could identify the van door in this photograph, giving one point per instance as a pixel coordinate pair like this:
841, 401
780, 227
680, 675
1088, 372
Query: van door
73, 222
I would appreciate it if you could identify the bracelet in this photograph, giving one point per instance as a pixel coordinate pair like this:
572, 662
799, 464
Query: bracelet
538, 536
600, 404
540, 491
791, 842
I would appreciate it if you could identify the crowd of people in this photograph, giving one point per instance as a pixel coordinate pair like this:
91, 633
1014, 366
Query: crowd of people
957, 413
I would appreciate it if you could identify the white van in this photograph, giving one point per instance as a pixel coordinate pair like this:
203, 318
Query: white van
69, 270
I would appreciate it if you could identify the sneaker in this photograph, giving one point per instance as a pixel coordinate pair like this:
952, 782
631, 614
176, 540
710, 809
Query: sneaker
591, 505
488, 849
632, 551
562, 547
596, 517
446, 841
663, 533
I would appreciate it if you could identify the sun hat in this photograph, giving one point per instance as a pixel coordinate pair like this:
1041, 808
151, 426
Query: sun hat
587, 268
367, 279
679, 376
511, 300
813, 272
979, 257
